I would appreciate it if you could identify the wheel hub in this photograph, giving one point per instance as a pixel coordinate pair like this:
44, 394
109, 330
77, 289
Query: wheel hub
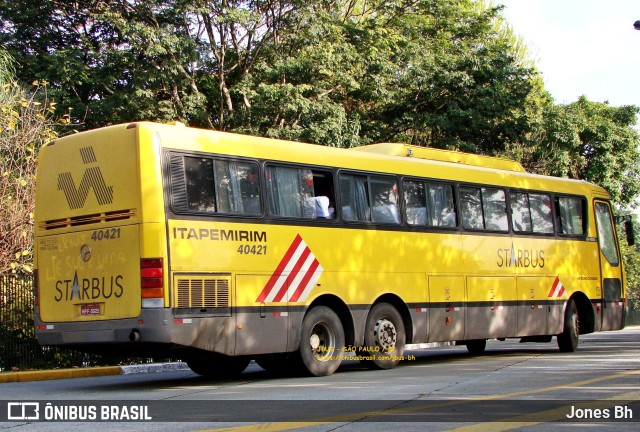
385, 335
322, 342
314, 341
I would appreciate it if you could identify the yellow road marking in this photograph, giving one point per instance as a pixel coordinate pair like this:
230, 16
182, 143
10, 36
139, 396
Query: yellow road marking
507, 424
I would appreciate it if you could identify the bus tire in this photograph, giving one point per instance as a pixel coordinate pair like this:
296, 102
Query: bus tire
321, 341
276, 363
384, 338
476, 346
568, 339
219, 367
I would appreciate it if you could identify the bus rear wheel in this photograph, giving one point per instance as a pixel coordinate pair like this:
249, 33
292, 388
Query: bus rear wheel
568, 339
321, 341
220, 367
384, 338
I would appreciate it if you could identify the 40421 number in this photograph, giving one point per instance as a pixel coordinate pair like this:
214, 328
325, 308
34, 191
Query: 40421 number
106, 234
252, 249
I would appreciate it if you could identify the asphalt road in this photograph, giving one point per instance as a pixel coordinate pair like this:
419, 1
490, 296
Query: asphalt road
529, 387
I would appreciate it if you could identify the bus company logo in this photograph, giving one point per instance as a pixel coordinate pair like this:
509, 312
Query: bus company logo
91, 179
295, 276
85, 253
557, 289
513, 257
93, 288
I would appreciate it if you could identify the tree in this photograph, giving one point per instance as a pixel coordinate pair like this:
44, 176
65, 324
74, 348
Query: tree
342, 72
631, 258
124, 60
591, 141
459, 85
428, 72
25, 124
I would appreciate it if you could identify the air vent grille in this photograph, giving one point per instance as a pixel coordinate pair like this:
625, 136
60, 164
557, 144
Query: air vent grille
202, 292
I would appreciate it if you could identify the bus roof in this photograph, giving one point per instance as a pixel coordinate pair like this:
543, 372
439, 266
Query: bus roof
389, 158
406, 150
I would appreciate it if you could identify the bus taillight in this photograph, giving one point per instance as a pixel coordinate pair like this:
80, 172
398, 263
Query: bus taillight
152, 282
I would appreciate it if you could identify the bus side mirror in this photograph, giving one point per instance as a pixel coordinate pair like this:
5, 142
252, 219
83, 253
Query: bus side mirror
628, 229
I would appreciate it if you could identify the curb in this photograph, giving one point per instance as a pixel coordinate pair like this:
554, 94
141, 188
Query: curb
27, 376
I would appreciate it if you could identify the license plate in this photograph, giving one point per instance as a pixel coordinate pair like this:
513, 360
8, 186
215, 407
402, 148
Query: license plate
90, 309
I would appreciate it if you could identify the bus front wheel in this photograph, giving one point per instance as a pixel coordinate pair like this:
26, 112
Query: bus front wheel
568, 339
321, 341
384, 338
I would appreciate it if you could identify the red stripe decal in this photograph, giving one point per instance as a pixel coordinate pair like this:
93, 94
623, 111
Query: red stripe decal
294, 271
283, 263
307, 277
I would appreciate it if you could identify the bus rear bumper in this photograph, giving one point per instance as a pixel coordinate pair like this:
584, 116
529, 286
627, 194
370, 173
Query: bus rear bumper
157, 327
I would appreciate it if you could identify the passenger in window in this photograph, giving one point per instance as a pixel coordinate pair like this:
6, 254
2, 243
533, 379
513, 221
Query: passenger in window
449, 217
385, 207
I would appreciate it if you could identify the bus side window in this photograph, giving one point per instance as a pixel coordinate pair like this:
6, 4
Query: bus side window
541, 218
571, 217
238, 188
300, 193
429, 204
324, 195
531, 213
415, 201
471, 208
386, 202
520, 212
441, 205
208, 185
369, 199
483, 208
354, 198
494, 206
200, 184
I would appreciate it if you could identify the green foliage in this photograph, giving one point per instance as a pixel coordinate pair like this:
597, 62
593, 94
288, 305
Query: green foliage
609, 146
631, 259
25, 124
340, 73
458, 85
590, 141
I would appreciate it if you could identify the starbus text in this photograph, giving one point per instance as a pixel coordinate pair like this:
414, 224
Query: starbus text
510, 257
89, 288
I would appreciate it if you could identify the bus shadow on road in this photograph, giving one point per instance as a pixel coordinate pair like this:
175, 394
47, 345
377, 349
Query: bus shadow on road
595, 344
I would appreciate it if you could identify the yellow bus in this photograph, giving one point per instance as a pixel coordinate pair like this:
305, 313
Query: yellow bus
220, 248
